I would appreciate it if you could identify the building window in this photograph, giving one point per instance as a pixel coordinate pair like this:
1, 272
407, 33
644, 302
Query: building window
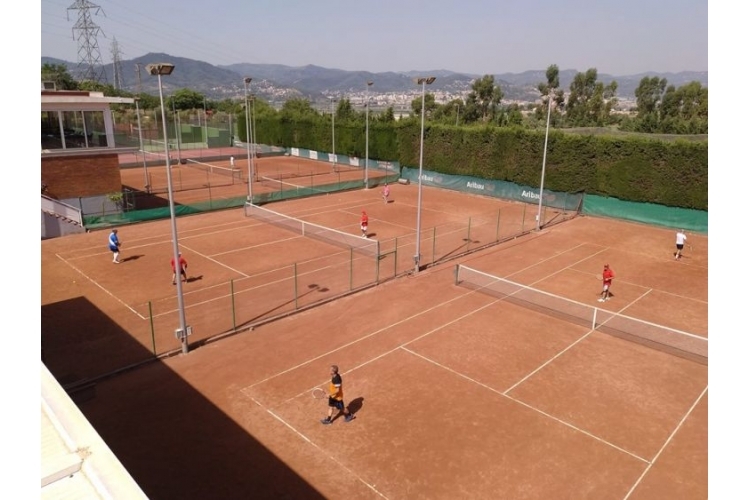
73, 129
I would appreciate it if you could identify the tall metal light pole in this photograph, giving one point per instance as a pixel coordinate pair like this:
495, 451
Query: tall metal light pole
333, 131
250, 162
422, 81
205, 120
146, 185
254, 131
544, 162
176, 130
367, 133
458, 107
182, 333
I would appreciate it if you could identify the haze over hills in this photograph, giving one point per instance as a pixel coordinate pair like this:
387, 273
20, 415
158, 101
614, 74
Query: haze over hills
276, 82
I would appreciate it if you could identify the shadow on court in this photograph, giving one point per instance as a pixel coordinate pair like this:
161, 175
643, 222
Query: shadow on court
355, 405
171, 439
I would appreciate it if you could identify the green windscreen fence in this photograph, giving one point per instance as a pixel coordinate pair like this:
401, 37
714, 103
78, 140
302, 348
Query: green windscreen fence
498, 189
648, 213
282, 192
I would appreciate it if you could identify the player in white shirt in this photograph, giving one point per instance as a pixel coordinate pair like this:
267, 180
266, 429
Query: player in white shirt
680, 240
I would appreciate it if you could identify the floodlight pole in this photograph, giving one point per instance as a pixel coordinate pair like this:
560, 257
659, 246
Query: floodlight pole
250, 163
367, 133
417, 255
146, 185
544, 163
158, 69
254, 132
205, 120
176, 131
333, 131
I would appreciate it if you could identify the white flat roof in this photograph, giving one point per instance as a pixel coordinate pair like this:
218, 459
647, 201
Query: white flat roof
76, 462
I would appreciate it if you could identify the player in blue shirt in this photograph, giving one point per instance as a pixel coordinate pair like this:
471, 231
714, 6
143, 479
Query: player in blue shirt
114, 246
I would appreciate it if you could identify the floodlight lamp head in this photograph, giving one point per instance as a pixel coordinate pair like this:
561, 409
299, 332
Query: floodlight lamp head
426, 80
247, 80
160, 68
369, 83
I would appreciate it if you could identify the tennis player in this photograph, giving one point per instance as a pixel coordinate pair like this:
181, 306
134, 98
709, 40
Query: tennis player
336, 398
114, 246
363, 223
183, 269
680, 240
607, 276
386, 193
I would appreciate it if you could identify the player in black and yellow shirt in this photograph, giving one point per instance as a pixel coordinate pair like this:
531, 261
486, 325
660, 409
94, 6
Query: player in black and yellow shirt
336, 398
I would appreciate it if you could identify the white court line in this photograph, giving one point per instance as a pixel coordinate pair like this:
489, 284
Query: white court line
100, 287
308, 440
660, 291
165, 235
383, 354
567, 424
237, 294
561, 270
260, 245
215, 261
376, 332
669, 439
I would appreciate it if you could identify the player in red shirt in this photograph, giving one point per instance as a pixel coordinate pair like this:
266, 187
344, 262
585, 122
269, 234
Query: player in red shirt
363, 222
607, 276
183, 269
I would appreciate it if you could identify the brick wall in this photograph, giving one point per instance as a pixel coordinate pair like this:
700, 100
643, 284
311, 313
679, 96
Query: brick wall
81, 176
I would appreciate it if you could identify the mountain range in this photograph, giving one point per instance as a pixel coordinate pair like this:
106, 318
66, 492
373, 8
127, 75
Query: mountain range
276, 82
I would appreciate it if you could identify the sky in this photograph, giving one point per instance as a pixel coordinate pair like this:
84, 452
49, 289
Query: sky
472, 36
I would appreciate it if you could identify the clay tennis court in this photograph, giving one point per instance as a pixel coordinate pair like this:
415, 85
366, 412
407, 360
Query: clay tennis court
456, 393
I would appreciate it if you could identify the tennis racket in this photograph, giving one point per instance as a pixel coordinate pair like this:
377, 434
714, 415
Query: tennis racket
319, 393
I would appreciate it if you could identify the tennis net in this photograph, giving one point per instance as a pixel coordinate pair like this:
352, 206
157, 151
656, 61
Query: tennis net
675, 342
234, 173
363, 245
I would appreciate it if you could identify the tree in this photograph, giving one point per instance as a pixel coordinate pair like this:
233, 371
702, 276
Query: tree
386, 116
590, 102
59, 74
662, 108
448, 113
429, 105
485, 97
185, 99
648, 95
685, 110
148, 101
107, 89
297, 109
551, 87
345, 111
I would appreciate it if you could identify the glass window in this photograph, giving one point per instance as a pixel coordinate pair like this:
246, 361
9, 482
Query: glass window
94, 121
51, 137
76, 135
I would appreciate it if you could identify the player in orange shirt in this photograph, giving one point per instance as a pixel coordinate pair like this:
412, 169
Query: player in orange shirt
363, 223
607, 276
183, 269
336, 398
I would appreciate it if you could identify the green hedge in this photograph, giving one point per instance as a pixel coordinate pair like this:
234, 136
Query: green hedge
671, 173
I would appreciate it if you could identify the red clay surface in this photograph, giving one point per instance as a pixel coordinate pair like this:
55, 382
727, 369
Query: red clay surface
456, 394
